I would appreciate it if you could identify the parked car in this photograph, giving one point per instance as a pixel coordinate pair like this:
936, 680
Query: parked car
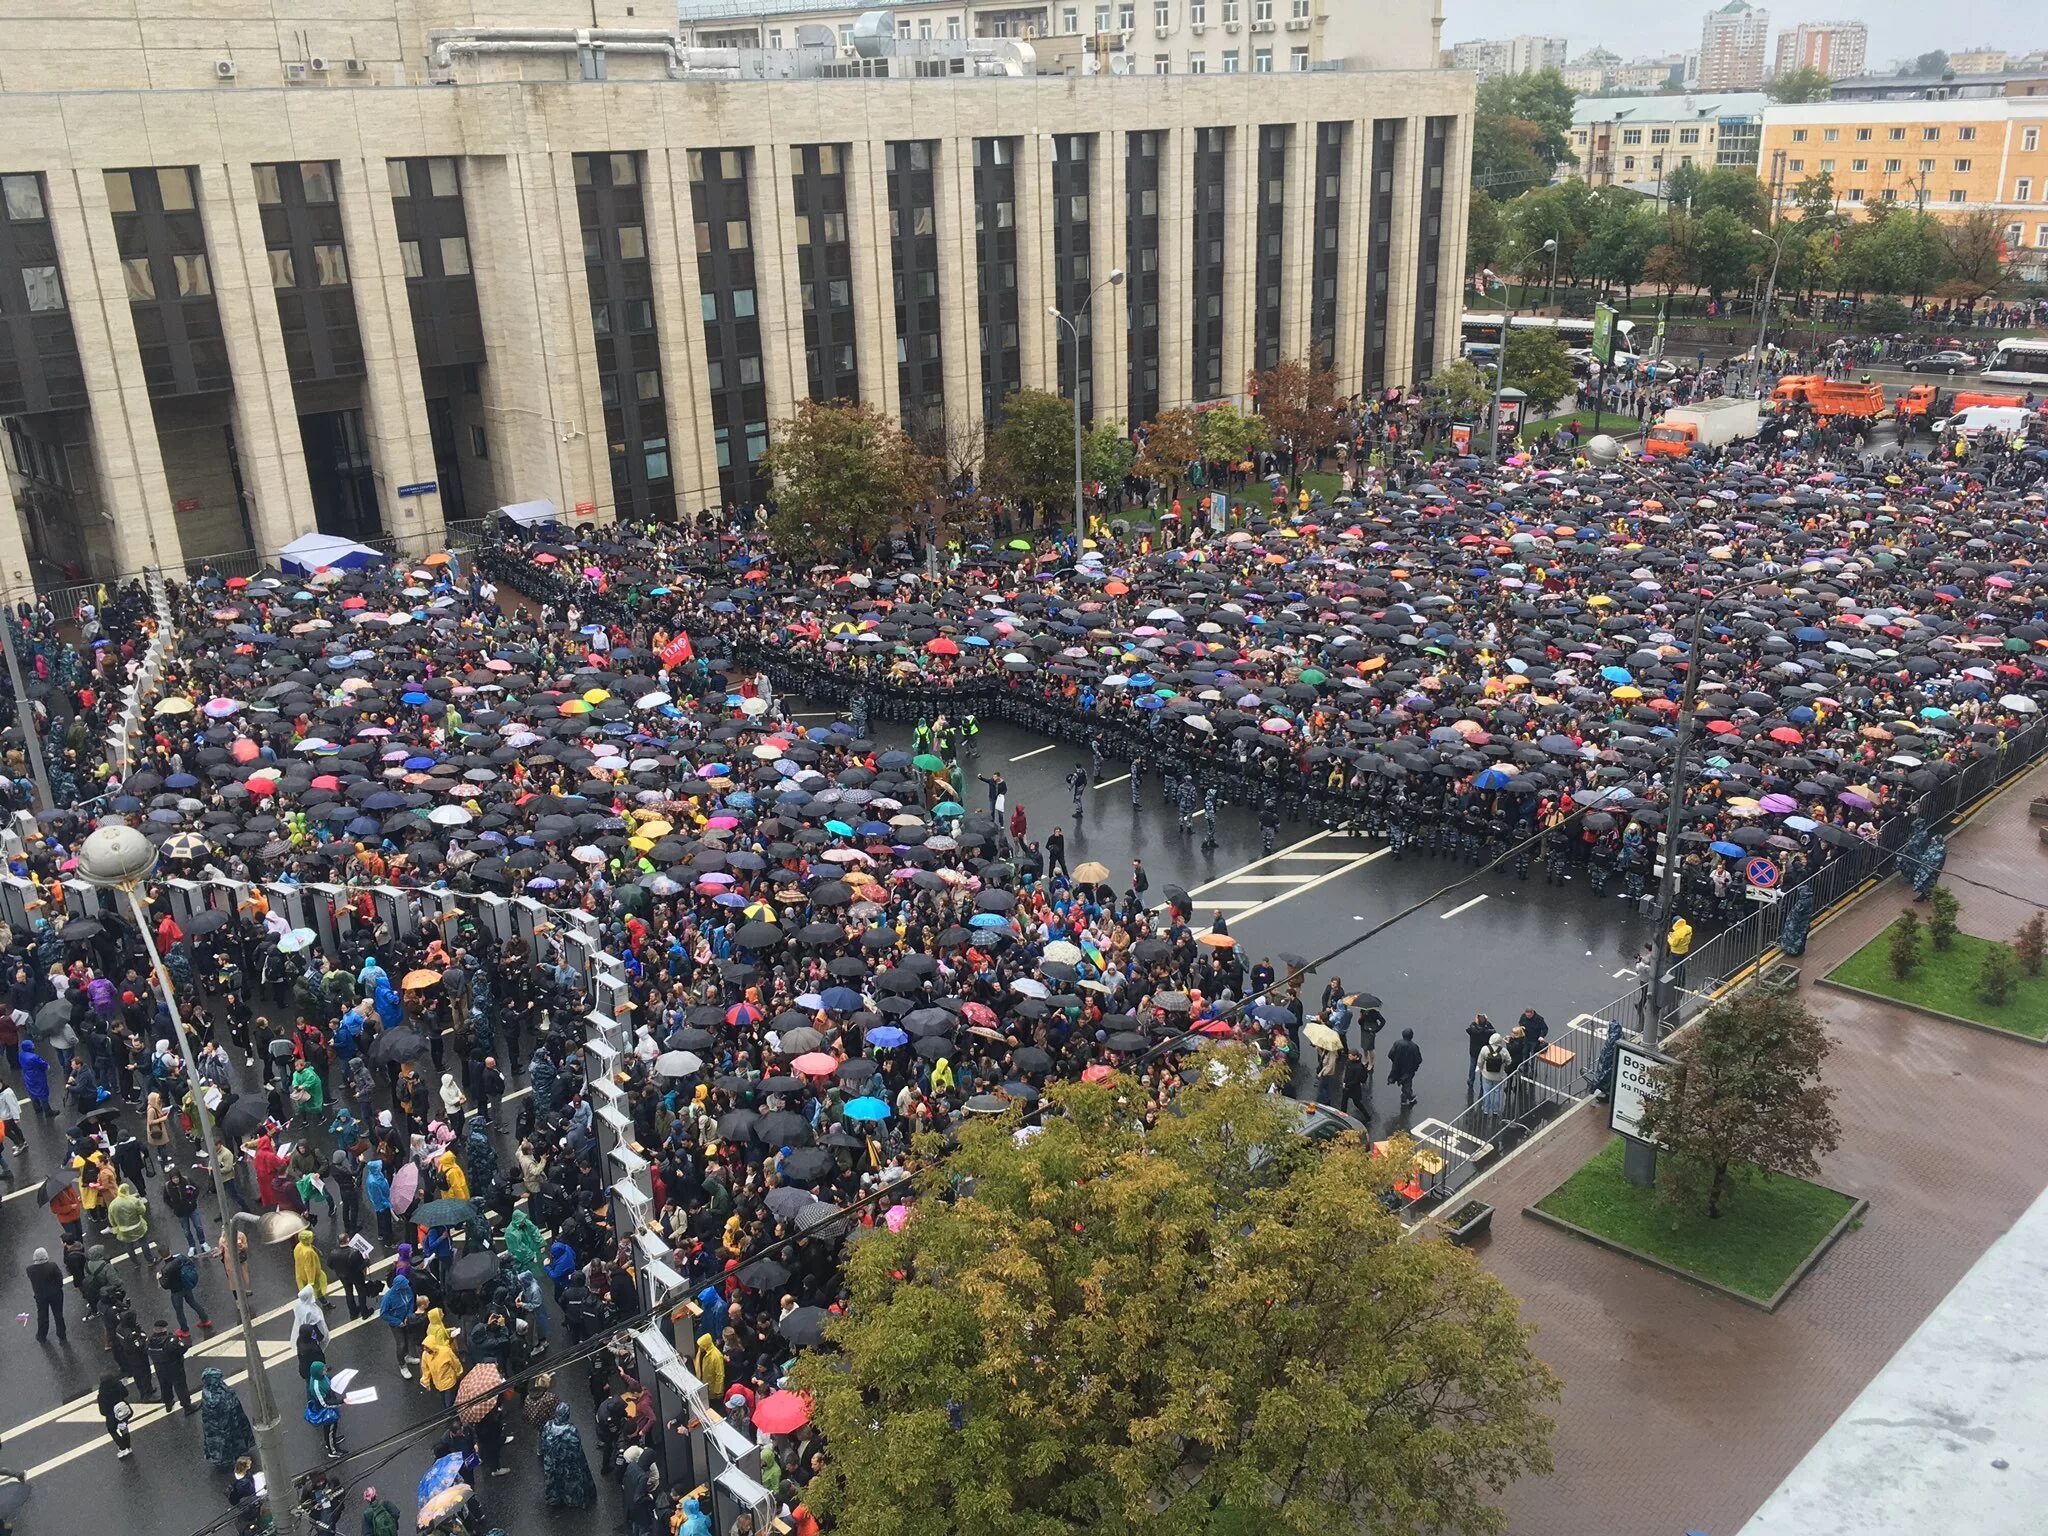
1949, 360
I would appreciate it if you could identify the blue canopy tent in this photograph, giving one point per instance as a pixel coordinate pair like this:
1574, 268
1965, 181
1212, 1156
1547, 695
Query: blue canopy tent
311, 552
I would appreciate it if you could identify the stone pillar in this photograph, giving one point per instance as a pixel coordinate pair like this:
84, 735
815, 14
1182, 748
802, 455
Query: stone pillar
778, 279
1303, 195
1354, 229
1109, 240
394, 396
1402, 253
127, 459
1450, 279
959, 286
866, 166
1045, 355
1241, 194
1176, 255
679, 317
266, 412
16, 580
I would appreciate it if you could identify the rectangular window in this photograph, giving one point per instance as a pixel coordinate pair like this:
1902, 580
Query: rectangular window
1297, 60
1631, 135
1262, 61
750, 371
193, 277
23, 196
1198, 12
401, 178
1962, 167
45, 288
1070, 20
2030, 139
1930, 135
141, 281
267, 191
743, 303
408, 255
1162, 13
1855, 194
1862, 135
1859, 165
1795, 166
709, 304
737, 237
1127, 16
317, 178
1198, 64
330, 266
479, 447
1262, 10
1827, 165
441, 177
454, 256
1895, 135
174, 189
2023, 189
632, 242
1798, 135
1926, 167
120, 191
625, 170
1102, 18
1830, 135
1162, 64
1301, 10
1230, 62
1958, 195
656, 449
1229, 11
1893, 167
647, 384
284, 272
1688, 135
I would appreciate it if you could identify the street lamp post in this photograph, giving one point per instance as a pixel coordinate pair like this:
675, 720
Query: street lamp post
1073, 325
121, 858
1550, 291
24, 708
1763, 313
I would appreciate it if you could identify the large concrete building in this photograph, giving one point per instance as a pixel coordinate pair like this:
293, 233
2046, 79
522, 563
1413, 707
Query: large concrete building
1638, 141
1139, 37
1836, 48
1491, 57
1732, 42
378, 270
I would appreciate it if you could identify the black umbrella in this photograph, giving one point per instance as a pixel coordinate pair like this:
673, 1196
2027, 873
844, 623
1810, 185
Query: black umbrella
443, 1213
53, 1186
784, 1128
242, 1117
808, 1165
762, 1275
804, 1328
473, 1271
399, 1045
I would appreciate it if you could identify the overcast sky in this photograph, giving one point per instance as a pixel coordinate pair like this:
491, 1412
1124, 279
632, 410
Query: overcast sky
1898, 28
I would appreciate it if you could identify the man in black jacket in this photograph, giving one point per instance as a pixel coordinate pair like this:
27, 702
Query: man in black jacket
46, 1282
1404, 1060
167, 1359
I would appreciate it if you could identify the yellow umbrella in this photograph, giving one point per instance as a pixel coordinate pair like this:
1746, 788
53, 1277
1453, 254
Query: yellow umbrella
595, 695
174, 706
1628, 691
655, 828
414, 979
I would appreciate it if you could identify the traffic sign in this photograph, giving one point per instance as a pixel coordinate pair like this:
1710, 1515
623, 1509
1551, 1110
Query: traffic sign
420, 488
1763, 872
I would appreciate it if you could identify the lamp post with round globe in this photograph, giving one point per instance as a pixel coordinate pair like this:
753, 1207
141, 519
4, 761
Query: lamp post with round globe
122, 859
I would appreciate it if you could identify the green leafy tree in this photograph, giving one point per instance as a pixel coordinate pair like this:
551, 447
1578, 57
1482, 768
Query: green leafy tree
1618, 250
1743, 1087
1460, 390
1942, 910
1902, 944
1539, 365
845, 474
1107, 454
1898, 251
1203, 1326
2030, 944
1724, 253
1298, 403
1807, 83
1737, 190
1979, 262
1813, 198
1484, 230
1682, 186
1227, 435
1931, 63
1996, 976
1031, 452
1521, 131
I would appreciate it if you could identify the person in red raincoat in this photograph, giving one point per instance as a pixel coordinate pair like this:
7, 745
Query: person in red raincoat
269, 1169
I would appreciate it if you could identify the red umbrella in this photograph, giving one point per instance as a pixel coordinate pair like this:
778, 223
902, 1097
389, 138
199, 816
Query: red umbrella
1788, 735
782, 1413
816, 1064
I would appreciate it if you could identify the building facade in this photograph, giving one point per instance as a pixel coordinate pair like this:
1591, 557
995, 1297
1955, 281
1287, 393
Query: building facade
1638, 141
1837, 49
1489, 58
1139, 37
1732, 44
595, 267
1949, 158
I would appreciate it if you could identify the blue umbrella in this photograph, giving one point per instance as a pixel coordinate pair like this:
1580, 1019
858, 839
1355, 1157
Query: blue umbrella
840, 999
865, 1108
1616, 675
979, 920
1492, 778
887, 1036
180, 781
1727, 850
441, 1476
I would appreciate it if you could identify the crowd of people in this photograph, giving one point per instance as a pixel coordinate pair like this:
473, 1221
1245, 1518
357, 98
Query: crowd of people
828, 945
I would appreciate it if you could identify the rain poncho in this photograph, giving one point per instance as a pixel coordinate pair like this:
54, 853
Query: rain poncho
307, 1268
224, 1429
376, 1187
440, 1366
523, 1241
479, 1158
565, 1470
397, 1305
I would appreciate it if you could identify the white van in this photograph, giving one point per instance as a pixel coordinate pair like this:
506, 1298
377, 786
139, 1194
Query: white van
2004, 420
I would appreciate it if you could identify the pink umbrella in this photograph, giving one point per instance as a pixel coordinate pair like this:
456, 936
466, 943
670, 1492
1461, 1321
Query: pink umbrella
405, 1188
1779, 805
893, 1219
816, 1064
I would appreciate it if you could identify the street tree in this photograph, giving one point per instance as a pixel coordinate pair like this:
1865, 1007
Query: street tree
845, 474
1622, 238
1979, 261
1484, 230
1107, 454
1298, 402
1682, 186
1460, 390
1521, 130
1723, 252
1809, 82
1207, 1325
1228, 435
1737, 190
1173, 442
1031, 451
1927, 65
1742, 1088
1539, 365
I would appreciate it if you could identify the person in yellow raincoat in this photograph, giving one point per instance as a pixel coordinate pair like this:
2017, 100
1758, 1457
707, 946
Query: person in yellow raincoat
307, 1268
440, 1365
458, 1181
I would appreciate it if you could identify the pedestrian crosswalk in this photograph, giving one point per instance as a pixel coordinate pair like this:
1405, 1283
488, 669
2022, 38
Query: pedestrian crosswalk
1285, 874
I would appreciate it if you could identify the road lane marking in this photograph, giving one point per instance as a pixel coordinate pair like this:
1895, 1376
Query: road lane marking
1112, 783
1300, 877
1464, 907
1034, 752
1222, 880
1335, 874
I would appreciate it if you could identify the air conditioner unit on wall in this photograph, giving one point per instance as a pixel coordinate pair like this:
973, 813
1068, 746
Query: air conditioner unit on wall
1262, 26
356, 66
223, 69
295, 74
317, 64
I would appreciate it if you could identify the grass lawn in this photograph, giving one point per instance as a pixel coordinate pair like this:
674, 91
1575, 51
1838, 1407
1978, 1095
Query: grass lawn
1257, 495
1531, 430
1765, 1232
1946, 981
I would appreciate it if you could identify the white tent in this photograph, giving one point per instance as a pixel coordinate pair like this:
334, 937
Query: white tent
531, 514
310, 552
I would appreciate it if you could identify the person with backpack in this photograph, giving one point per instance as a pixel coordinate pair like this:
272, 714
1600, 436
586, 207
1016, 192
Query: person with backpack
178, 1276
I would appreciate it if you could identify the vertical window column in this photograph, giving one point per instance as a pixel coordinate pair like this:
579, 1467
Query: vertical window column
1379, 245
1206, 355
39, 365
825, 270
316, 308
732, 328
1322, 321
162, 246
1429, 259
611, 208
1073, 268
1267, 269
914, 263
995, 260
1141, 241
433, 243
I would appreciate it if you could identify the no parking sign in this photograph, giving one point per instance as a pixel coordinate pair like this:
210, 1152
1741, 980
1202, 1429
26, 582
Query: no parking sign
1763, 875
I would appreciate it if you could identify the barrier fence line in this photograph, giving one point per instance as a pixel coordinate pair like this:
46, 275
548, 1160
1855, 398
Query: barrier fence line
1494, 1126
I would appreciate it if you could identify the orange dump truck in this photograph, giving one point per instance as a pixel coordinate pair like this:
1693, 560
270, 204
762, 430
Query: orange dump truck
1846, 402
1916, 404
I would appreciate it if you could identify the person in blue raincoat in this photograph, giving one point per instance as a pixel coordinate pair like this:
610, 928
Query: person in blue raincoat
390, 1006
378, 1188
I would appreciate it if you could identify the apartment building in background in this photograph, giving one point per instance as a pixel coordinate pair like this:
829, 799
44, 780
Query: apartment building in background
1978, 61
1733, 40
1949, 158
1836, 48
1489, 58
1638, 141
1126, 37
370, 276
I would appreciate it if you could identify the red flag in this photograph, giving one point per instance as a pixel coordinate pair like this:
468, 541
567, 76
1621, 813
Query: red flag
677, 651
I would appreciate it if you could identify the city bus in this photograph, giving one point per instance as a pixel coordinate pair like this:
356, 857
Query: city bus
2021, 361
1480, 333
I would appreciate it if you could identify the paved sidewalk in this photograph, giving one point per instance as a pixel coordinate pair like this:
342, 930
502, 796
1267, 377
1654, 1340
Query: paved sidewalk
1682, 1409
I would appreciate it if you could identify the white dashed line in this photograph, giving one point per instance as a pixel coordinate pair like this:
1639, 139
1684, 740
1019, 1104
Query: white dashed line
1464, 907
1034, 752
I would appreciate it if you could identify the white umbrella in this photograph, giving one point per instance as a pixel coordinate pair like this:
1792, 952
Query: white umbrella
651, 701
1063, 953
448, 816
677, 1064
296, 940
587, 854
2020, 702
1029, 988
